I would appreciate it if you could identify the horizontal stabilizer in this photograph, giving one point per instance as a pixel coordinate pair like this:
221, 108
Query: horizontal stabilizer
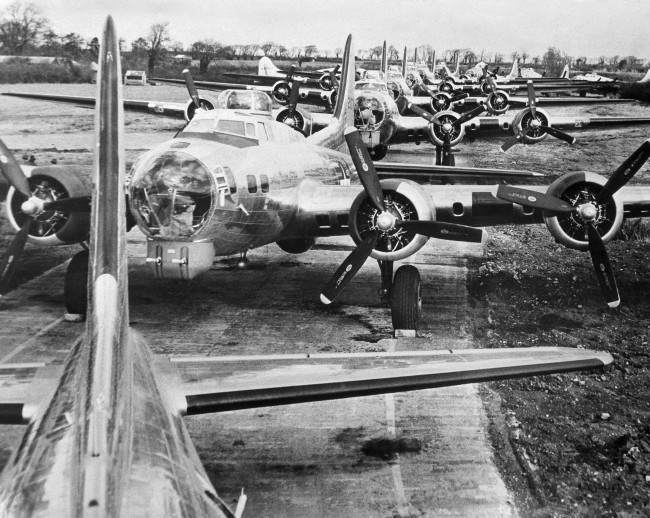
231, 383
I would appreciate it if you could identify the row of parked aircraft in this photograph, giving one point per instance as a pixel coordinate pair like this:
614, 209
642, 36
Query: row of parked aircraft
106, 436
236, 178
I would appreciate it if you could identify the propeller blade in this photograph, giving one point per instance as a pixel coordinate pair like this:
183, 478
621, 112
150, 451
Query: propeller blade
492, 83
365, 168
442, 230
13, 172
603, 267
12, 256
348, 268
625, 171
539, 200
459, 96
532, 100
191, 88
423, 113
72, 204
558, 134
511, 142
333, 79
470, 114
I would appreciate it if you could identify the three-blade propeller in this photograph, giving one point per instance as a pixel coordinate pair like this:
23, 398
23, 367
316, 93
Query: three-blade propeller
372, 186
451, 127
587, 214
536, 124
31, 207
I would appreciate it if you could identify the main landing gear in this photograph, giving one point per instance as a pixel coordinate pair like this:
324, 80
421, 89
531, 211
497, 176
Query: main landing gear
403, 293
75, 288
445, 155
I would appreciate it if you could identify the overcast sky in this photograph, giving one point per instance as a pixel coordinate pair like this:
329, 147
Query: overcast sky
579, 27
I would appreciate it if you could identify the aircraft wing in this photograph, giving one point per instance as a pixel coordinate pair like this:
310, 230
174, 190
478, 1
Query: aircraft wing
168, 109
424, 173
419, 100
217, 384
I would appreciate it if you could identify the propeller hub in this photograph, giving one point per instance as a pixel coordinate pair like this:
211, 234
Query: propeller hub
588, 212
32, 206
535, 123
447, 127
385, 221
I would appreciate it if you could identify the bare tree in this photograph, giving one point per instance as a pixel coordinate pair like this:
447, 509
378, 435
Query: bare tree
22, 24
72, 45
524, 57
266, 47
205, 51
311, 50
158, 36
393, 53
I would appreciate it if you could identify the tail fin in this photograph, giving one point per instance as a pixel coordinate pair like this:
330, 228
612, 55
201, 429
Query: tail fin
343, 117
645, 78
457, 66
404, 64
514, 72
415, 57
107, 279
433, 61
565, 72
384, 61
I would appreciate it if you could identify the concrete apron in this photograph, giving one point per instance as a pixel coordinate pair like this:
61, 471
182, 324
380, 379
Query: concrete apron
304, 460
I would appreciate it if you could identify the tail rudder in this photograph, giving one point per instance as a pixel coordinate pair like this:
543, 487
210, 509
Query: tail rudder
565, 72
457, 67
333, 135
433, 62
404, 65
384, 60
514, 72
645, 78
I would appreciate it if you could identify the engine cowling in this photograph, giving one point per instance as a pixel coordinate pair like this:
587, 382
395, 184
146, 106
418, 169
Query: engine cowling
580, 189
53, 227
497, 102
299, 120
406, 200
524, 118
447, 121
325, 82
280, 92
440, 102
207, 102
329, 99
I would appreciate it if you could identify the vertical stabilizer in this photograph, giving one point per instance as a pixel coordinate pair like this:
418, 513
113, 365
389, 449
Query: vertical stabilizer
565, 72
457, 67
332, 136
404, 64
415, 57
433, 61
514, 71
645, 78
384, 60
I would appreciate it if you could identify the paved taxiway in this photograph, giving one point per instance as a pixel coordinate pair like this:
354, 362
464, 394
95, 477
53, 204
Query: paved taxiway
303, 460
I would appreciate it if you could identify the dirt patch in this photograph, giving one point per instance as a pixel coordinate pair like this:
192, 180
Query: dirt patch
587, 436
388, 448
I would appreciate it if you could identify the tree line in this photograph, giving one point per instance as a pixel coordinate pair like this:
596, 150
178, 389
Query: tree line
25, 31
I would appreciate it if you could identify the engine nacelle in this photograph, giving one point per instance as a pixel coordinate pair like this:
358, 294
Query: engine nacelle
281, 92
369, 112
523, 120
299, 120
497, 102
207, 102
446, 86
405, 200
325, 82
580, 189
53, 227
447, 120
329, 98
440, 102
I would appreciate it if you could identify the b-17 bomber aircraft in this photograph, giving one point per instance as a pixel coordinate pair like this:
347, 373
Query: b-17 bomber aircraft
105, 434
235, 179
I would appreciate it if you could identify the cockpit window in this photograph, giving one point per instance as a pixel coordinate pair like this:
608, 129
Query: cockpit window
250, 129
370, 85
230, 126
171, 194
244, 100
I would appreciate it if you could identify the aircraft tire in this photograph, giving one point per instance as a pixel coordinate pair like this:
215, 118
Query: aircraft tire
406, 299
378, 152
75, 287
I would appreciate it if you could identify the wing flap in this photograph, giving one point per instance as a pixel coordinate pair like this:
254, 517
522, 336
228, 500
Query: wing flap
237, 382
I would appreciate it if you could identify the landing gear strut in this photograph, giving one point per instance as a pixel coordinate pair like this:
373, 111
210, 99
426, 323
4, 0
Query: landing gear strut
75, 287
242, 263
445, 156
386, 268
